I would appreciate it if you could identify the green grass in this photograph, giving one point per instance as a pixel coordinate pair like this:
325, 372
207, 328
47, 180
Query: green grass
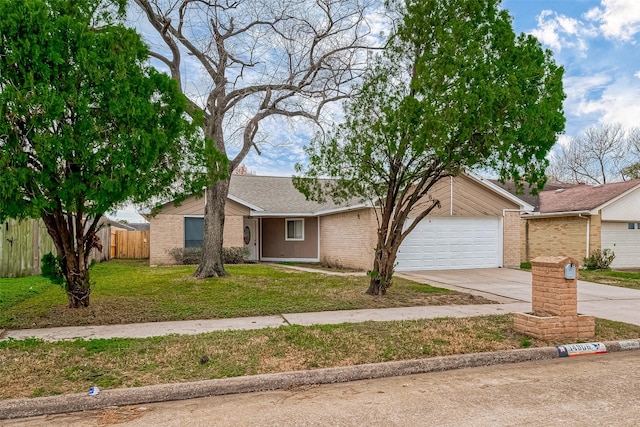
131, 291
14, 291
624, 279
36, 368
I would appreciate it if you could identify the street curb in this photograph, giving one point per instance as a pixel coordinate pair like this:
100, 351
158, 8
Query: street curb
29, 407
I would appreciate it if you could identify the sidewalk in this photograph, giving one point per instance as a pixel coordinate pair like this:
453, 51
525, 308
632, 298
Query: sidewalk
193, 327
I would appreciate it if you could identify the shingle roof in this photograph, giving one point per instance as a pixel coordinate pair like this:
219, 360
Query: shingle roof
274, 195
582, 197
526, 195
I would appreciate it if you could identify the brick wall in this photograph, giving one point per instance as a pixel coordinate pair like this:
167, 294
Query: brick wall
566, 236
233, 226
349, 238
167, 232
554, 304
511, 239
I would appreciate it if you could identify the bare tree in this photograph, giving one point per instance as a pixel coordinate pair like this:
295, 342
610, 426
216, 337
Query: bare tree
598, 156
632, 171
256, 60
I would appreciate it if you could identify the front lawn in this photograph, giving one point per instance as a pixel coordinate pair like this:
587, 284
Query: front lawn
624, 279
131, 292
32, 368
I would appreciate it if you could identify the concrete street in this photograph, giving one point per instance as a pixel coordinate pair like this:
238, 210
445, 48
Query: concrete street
581, 391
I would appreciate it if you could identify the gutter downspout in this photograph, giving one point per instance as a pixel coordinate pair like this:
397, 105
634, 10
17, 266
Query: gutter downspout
588, 218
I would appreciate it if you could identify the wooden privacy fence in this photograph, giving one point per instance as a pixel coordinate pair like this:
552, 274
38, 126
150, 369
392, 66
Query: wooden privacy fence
24, 243
130, 244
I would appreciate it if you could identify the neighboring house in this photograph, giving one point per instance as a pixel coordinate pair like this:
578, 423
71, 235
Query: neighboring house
267, 215
115, 224
140, 226
577, 219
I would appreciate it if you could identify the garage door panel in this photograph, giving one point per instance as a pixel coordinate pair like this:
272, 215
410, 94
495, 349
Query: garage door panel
624, 242
450, 243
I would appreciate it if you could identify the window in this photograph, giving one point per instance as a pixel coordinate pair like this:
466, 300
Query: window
631, 225
193, 232
294, 229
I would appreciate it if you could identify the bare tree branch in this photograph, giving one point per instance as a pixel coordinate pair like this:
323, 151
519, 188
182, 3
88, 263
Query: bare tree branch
257, 60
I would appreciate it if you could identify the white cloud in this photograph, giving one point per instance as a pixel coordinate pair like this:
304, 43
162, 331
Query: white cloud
559, 31
579, 89
637, 74
619, 104
603, 98
617, 19
564, 140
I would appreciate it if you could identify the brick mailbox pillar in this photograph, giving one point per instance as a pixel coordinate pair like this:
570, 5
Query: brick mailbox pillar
554, 302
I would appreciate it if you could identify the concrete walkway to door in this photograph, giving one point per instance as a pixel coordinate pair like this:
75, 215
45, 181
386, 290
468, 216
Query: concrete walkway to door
508, 285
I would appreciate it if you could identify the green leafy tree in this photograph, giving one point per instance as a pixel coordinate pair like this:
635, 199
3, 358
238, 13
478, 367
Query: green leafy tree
454, 90
85, 125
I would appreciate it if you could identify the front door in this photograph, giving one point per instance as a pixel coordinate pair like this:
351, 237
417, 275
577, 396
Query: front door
250, 238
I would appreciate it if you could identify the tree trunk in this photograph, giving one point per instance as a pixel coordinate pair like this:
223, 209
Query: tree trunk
73, 254
212, 263
382, 272
78, 283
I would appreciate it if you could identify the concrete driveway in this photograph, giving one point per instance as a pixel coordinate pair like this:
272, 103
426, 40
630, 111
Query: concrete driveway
508, 285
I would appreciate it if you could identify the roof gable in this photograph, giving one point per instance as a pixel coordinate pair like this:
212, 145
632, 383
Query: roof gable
526, 194
583, 197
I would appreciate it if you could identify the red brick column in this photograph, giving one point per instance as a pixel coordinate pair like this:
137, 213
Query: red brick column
552, 294
554, 303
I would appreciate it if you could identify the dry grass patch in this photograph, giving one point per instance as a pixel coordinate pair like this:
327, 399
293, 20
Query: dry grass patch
35, 368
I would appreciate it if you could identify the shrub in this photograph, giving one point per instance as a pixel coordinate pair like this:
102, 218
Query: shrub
235, 255
331, 263
189, 256
51, 269
186, 256
599, 259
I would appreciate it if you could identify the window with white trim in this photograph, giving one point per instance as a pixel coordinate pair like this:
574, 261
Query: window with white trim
193, 232
294, 229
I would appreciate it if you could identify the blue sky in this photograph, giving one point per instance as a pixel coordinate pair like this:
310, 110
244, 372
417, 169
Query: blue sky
597, 42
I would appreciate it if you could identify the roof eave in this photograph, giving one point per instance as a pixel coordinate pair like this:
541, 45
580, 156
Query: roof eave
264, 214
343, 209
615, 199
245, 203
535, 215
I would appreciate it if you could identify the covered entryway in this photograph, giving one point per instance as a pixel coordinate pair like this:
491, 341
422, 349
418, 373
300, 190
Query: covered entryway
452, 243
624, 240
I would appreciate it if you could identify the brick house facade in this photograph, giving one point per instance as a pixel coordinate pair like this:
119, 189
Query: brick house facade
576, 220
290, 228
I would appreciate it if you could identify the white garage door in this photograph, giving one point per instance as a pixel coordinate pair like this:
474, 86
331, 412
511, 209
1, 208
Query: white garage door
452, 243
624, 242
